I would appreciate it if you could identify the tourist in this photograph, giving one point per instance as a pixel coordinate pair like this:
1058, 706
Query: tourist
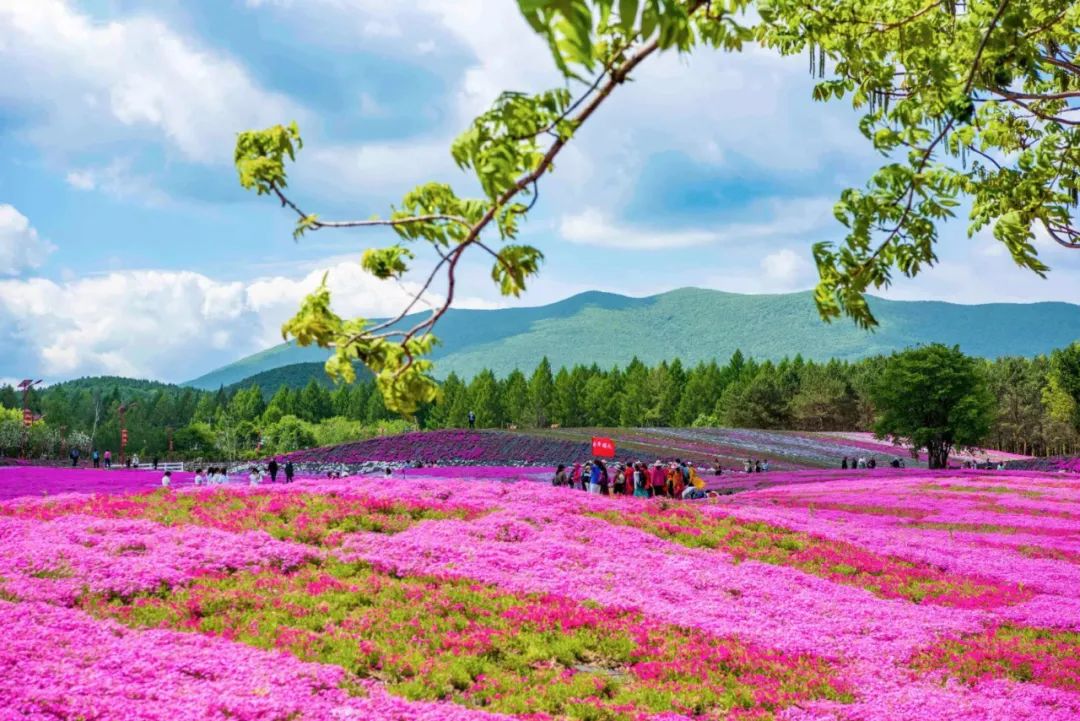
757, 466
472, 420
387, 472
843, 463
199, 479
108, 459
861, 463
135, 460
560, 476
289, 471
155, 462
695, 481
74, 455
673, 476
166, 480
96, 458
658, 479
605, 479
594, 476
619, 487
895, 463
871, 463
255, 477
748, 467
641, 481
765, 465
273, 468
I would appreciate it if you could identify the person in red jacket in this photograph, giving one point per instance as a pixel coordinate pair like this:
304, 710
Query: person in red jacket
658, 479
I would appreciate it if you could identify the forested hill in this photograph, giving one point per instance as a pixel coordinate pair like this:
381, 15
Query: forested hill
694, 324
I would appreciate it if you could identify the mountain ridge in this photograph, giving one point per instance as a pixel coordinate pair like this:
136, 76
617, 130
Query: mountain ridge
697, 324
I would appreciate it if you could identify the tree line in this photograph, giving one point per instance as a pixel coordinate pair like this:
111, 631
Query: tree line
1034, 401
1032, 405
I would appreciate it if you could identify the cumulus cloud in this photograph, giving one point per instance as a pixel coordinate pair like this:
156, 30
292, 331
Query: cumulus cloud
172, 325
787, 269
89, 82
21, 248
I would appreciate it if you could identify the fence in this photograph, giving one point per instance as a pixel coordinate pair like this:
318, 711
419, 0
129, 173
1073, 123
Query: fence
175, 466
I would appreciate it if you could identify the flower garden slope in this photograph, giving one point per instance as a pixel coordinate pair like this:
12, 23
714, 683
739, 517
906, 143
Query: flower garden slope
450, 447
872, 597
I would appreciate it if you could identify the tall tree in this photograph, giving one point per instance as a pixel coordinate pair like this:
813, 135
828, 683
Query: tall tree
541, 395
485, 398
933, 397
516, 398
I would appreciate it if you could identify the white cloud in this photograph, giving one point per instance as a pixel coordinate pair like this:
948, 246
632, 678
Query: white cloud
119, 180
787, 268
780, 219
172, 325
592, 227
92, 82
379, 168
21, 248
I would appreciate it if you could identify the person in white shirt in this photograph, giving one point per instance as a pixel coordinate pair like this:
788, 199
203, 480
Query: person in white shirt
166, 480
199, 480
255, 478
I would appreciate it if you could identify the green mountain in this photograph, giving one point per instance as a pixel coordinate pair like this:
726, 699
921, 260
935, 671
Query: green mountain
294, 375
695, 324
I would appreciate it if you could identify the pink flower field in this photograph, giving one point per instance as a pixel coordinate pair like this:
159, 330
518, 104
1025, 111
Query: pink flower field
864, 595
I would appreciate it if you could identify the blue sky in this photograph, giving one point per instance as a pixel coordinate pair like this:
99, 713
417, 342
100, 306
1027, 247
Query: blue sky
127, 247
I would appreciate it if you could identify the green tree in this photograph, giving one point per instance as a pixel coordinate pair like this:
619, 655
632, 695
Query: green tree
247, 404
288, 434
516, 398
313, 404
635, 398
486, 400
824, 401
541, 395
933, 397
1064, 381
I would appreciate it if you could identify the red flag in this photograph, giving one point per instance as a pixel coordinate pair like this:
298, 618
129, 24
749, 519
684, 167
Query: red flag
27, 417
123, 438
603, 447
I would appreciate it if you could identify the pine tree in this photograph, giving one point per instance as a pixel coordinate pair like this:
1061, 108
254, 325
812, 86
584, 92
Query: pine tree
516, 398
486, 400
541, 395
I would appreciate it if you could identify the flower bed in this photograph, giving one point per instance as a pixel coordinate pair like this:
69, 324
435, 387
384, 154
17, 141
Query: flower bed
449, 448
834, 595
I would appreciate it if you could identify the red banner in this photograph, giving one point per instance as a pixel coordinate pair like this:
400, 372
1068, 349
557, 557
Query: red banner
603, 447
123, 438
27, 417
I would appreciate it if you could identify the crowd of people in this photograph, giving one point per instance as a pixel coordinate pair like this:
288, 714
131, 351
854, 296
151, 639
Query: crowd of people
677, 479
871, 463
256, 474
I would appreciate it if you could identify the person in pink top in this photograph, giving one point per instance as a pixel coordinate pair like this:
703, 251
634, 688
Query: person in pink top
658, 479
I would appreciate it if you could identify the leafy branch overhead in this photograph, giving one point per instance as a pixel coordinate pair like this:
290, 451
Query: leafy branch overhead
968, 103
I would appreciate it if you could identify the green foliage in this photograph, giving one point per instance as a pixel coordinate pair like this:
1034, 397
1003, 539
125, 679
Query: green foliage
289, 433
1063, 393
935, 398
260, 157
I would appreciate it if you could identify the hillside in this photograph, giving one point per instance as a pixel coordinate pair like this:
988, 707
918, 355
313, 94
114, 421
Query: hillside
295, 375
695, 324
